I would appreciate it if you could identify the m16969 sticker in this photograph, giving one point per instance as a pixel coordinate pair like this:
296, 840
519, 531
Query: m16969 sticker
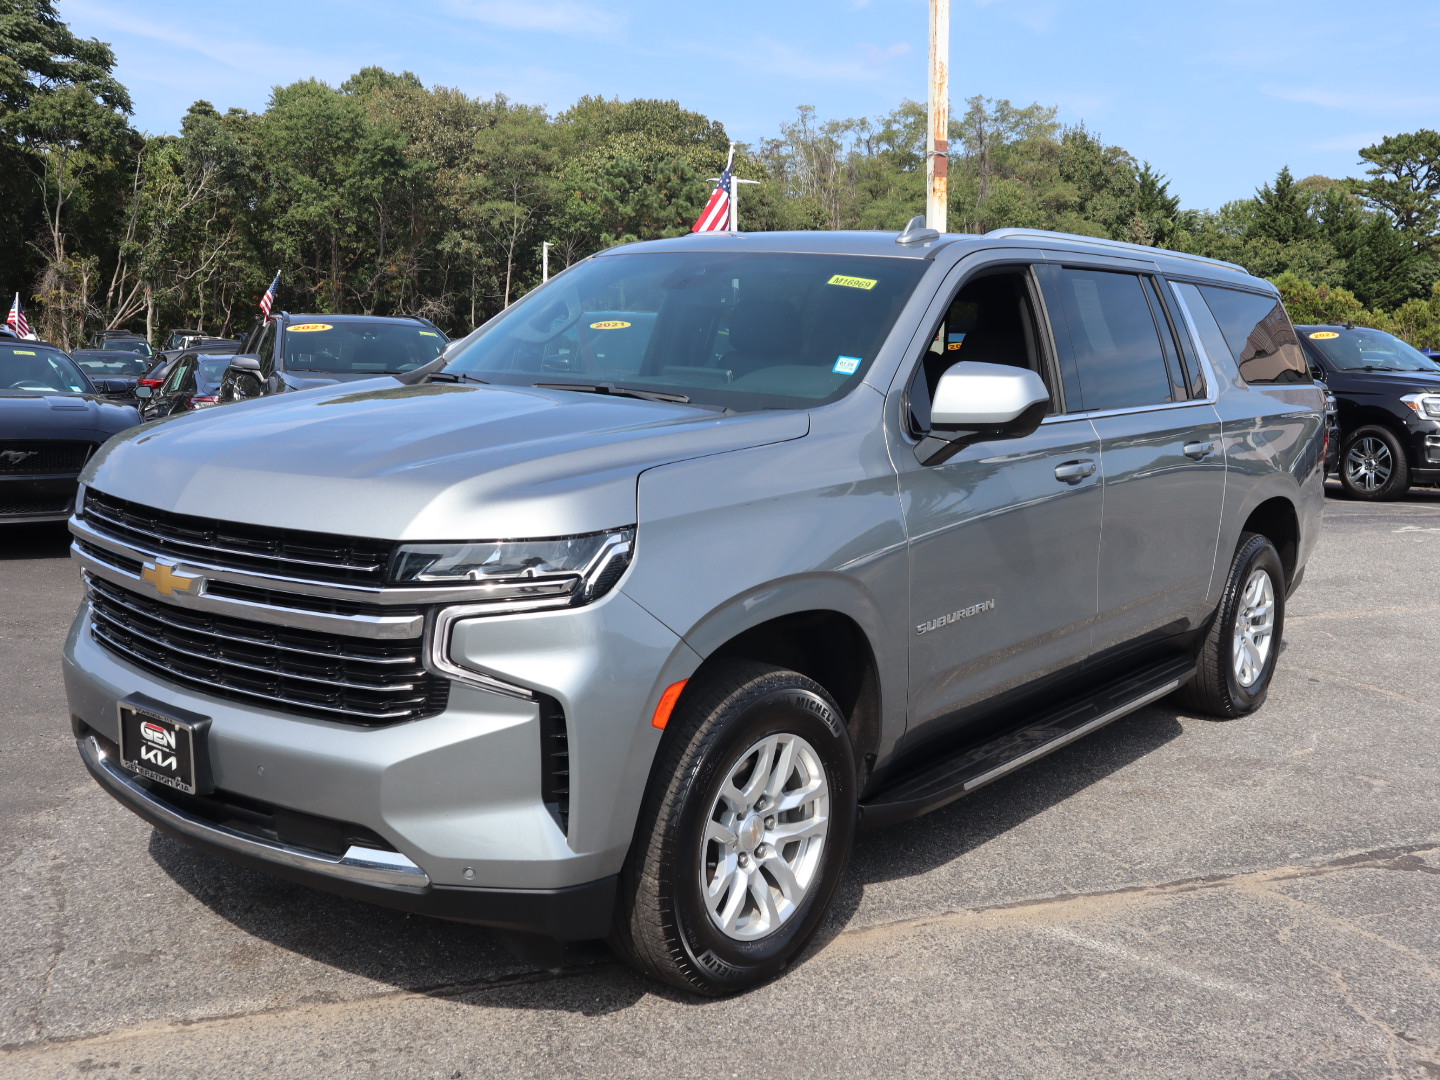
955, 616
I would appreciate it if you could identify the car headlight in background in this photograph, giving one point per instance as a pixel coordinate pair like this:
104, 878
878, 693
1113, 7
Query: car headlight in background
565, 570
1424, 404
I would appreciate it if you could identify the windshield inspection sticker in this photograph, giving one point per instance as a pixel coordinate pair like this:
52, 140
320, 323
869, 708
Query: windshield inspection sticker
847, 365
1324, 335
23, 352
609, 324
853, 282
310, 327
428, 333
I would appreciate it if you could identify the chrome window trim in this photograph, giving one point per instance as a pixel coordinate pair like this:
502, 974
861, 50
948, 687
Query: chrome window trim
381, 627
437, 652
1194, 331
370, 865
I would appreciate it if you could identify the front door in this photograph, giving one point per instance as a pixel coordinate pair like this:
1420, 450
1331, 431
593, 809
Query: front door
1004, 536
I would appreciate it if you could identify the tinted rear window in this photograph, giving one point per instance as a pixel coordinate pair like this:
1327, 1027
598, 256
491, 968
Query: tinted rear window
1116, 344
1259, 335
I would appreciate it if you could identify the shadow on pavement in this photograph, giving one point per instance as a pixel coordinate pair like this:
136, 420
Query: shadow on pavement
50, 540
465, 963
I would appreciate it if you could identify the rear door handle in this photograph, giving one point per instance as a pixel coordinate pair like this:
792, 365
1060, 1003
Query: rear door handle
1198, 450
1072, 472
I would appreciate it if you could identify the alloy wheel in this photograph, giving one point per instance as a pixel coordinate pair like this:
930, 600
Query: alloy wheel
765, 837
1369, 464
1254, 628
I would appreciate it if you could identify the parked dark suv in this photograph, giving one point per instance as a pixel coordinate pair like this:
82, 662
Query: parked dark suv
297, 352
1389, 399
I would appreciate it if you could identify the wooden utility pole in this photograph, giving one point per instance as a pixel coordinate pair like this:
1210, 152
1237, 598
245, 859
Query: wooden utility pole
937, 142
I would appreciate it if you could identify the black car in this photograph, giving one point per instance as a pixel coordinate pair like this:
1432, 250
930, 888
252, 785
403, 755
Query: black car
296, 352
113, 364
193, 383
123, 340
1389, 408
162, 363
52, 418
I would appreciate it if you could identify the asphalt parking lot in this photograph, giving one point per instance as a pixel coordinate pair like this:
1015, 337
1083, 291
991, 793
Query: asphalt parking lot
1171, 897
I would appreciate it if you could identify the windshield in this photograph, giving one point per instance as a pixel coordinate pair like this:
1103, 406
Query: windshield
211, 371
753, 330
360, 348
111, 364
28, 368
1356, 350
131, 345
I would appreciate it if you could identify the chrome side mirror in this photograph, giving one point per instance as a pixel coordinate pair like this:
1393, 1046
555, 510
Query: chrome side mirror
976, 402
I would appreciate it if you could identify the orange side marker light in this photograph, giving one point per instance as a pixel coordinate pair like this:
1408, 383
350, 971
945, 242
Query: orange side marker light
667, 704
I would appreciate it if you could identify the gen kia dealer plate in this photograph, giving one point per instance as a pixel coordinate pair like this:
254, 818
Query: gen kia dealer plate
163, 748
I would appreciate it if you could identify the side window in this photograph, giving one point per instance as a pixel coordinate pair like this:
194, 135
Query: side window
1114, 341
263, 346
992, 320
1259, 334
1211, 336
177, 376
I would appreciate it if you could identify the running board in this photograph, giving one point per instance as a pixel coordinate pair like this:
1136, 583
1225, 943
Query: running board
943, 782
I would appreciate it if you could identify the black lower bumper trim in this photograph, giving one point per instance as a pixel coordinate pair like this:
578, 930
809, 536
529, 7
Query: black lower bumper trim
576, 913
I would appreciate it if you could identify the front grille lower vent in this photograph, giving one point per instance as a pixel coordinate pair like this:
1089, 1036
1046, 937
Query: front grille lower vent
303, 672
555, 762
288, 553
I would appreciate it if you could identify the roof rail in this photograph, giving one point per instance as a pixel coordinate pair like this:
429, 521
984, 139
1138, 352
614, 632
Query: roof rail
1098, 241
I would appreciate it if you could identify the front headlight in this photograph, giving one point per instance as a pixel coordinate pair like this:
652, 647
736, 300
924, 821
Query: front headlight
1424, 404
565, 570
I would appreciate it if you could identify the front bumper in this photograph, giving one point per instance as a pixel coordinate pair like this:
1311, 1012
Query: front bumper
454, 801
384, 877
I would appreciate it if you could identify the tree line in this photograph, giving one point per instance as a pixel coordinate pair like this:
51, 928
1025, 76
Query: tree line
384, 196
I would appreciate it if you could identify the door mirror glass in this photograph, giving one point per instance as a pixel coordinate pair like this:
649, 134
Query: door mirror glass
142, 391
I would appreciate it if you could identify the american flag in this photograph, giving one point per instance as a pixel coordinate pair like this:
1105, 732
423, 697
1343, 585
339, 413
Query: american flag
716, 215
16, 319
268, 300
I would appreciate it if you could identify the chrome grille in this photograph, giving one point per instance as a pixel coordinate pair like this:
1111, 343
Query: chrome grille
307, 673
283, 553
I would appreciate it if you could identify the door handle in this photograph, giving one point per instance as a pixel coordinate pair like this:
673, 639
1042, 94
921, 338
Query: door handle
1198, 450
1072, 472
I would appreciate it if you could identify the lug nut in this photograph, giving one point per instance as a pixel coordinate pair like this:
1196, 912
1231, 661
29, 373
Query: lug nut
769, 823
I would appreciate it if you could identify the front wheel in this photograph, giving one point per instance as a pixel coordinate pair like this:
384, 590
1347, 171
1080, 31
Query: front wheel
744, 833
1238, 656
1373, 465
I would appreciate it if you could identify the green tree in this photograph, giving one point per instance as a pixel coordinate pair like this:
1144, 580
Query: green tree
1405, 183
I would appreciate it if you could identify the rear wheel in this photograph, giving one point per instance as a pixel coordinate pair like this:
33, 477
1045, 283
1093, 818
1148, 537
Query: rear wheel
1238, 657
744, 832
1373, 465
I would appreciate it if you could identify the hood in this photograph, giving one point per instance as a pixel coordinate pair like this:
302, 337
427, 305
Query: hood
430, 462
1386, 382
34, 414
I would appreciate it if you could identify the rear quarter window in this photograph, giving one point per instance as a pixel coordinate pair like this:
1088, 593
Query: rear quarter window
1259, 336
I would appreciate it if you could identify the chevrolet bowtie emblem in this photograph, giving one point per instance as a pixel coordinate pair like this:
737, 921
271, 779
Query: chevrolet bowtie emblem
162, 575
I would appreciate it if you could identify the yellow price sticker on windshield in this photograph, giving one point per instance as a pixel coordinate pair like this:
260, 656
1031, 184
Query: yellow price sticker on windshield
609, 324
1324, 335
24, 352
310, 327
853, 282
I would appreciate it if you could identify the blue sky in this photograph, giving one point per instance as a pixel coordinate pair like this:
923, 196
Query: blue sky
1216, 94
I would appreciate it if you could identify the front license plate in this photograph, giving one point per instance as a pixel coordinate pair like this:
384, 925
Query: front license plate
160, 748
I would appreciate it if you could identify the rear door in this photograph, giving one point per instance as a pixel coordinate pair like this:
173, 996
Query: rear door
1162, 455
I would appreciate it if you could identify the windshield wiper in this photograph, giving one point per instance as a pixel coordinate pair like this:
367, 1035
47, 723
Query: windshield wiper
1375, 367
614, 391
450, 376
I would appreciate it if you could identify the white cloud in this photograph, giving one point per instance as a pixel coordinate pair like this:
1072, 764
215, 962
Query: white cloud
1362, 101
551, 16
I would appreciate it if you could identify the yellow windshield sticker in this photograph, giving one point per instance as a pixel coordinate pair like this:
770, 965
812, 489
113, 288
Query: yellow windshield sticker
609, 324
310, 327
428, 333
1324, 335
853, 282
22, 352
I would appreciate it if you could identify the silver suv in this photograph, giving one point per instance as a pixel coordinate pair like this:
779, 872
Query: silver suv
621, 617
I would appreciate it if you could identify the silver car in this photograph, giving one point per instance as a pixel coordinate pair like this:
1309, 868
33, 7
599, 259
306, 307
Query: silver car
622, 616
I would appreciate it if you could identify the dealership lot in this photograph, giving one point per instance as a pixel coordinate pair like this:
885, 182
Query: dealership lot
1171, 896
